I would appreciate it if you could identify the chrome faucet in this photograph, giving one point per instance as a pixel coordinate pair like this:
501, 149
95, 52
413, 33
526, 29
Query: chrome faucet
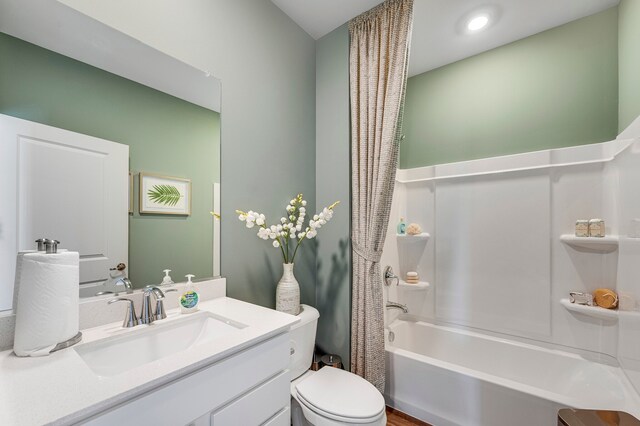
127, 284
160, 312
396, 305
116, 279
146, 314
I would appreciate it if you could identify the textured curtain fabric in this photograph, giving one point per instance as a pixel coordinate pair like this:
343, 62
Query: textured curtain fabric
379, 57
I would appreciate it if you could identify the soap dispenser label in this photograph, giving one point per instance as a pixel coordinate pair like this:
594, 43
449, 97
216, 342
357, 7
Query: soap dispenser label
189, 299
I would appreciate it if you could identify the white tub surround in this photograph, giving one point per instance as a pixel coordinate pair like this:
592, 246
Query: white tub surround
495, 381
501, 256
501, 262
62, 389
596, 153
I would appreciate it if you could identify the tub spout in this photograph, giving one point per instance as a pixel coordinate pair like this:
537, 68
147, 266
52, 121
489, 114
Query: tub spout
396, 305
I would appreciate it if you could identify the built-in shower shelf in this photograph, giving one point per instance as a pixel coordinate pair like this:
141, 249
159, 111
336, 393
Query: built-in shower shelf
407, 237
422, 285
603, 244
592, 311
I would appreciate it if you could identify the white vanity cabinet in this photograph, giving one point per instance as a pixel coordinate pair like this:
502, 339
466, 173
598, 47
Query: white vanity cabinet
249, 387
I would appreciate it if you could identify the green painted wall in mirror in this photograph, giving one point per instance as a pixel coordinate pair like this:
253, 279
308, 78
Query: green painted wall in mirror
629, 53
166, 135
554, 89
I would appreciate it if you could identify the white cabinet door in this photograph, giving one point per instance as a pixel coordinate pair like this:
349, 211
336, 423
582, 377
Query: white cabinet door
64, 185
216, 392
258, 406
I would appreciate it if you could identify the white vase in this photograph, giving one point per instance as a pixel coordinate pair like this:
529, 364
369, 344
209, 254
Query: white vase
288, 292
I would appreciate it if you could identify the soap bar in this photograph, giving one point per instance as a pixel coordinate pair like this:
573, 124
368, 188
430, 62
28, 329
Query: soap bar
582, 228
581, 298
596, 228
412, 277
605, 298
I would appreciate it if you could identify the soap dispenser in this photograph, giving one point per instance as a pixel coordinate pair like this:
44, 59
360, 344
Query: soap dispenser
189, 299
166, 280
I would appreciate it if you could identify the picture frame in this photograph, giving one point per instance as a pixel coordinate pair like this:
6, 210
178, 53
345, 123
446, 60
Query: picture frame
168, 195
130, 192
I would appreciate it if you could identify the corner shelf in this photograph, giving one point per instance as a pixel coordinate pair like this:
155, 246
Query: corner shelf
591, 311
605, 244
422, 285
423, 236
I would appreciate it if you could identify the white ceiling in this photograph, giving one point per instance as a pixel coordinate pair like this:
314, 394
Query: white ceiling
437, 36
320, 17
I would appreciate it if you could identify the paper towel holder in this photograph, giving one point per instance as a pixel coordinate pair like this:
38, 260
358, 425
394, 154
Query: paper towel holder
67, 343
51, 246
40, 242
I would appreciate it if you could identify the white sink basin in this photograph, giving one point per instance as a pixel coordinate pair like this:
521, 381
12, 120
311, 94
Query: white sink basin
145, 344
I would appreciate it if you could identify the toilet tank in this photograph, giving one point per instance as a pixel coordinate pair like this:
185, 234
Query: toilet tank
303, 340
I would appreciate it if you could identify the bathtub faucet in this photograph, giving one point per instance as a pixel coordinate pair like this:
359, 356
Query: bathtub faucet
396, 305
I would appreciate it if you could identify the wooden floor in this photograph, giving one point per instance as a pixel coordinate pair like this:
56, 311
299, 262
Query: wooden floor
398, 418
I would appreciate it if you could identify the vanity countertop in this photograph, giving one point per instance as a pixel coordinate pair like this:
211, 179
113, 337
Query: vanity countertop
61, 389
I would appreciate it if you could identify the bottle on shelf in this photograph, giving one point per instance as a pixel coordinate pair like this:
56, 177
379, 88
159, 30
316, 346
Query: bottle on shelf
402, 227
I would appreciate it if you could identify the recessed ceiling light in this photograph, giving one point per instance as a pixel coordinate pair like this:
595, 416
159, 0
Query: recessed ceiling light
477, 23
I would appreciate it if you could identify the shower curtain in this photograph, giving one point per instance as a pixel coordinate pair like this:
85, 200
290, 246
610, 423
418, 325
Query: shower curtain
379, 57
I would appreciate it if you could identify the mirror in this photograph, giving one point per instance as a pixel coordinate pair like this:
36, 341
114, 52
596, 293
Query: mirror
513, 77
98, 116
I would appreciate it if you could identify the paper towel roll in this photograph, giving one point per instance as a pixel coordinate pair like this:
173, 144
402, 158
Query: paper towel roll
47, 310
16, 283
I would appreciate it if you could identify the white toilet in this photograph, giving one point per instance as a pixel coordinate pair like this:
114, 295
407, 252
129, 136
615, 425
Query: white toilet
329, 396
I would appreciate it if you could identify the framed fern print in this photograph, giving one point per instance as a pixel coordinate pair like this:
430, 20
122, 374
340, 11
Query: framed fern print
164, 195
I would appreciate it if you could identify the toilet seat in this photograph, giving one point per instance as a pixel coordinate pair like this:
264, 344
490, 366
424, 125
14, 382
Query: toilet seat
339, 419
341, 396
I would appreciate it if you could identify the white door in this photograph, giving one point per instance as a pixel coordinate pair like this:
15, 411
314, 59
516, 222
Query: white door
63, 185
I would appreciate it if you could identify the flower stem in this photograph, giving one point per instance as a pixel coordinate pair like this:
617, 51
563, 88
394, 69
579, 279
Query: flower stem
296, 250
282, 249
286, 257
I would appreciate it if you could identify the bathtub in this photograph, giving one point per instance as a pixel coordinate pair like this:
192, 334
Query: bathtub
447, 376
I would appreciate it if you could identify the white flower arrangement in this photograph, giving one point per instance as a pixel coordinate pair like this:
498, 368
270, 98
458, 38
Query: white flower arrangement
289, 234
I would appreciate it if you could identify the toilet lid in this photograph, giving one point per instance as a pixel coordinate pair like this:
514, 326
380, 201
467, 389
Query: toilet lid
340, 393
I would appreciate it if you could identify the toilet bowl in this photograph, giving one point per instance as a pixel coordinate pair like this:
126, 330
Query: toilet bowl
330, 396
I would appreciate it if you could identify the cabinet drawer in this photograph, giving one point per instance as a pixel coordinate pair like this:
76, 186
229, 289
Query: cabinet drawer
283, 418
188, 398
257, 406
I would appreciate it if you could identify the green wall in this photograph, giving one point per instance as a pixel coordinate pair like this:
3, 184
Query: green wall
554, 89
266, 63
165, 134
333, 182
629, 65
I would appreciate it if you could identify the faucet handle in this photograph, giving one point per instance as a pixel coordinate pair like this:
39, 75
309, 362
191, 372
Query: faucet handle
160, 311
388, 276
130, 320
